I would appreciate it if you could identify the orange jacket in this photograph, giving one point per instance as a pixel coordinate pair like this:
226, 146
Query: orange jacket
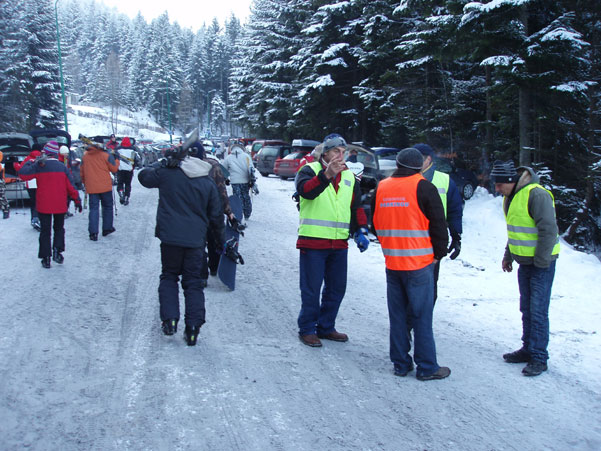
401, 226
96, 169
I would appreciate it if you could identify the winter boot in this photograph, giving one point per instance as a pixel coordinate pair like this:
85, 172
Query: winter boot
5, 214
519, 356
35, 223
191, 334
121, 197
46, 262
126, 200
108, 232
94, 236
169, 326
534, 368
57, 256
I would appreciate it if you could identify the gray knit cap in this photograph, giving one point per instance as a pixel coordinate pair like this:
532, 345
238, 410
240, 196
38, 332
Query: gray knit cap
410, 158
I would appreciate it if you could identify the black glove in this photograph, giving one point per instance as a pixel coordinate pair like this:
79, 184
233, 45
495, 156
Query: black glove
455, 246
172, 163
78, 206
235, 224
227, 182
230, 249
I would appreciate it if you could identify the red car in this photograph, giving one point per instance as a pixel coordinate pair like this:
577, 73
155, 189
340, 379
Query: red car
288, 166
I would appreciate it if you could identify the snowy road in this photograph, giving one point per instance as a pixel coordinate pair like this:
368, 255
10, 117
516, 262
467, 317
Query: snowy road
83, 364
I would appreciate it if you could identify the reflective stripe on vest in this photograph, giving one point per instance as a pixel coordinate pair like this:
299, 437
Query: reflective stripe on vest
402, 228
441, 181
329, 214
522, 232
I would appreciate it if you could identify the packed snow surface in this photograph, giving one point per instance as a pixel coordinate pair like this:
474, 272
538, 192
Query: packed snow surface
84, 364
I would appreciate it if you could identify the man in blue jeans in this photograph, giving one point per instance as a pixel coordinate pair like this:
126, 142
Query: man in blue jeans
533, 242
410, 224
329, 208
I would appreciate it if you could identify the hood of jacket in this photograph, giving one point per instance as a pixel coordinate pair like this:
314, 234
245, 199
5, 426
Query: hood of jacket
526, 177
193, 167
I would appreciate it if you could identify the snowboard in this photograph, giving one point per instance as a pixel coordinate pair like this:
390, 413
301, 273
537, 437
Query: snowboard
227, 267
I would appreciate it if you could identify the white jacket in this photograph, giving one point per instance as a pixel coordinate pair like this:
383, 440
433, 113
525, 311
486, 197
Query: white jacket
238, 163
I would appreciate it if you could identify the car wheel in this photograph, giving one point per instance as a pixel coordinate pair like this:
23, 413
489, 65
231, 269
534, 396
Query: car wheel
283, 177
265, 174
468, 191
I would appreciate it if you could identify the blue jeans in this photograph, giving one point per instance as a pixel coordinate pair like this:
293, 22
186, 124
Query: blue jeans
184, 261
535, 295
414, 289
317, 267
107, 211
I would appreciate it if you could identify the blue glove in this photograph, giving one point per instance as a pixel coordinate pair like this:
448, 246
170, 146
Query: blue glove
360, 238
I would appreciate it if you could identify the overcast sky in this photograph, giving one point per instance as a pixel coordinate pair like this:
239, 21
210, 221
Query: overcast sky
188, 13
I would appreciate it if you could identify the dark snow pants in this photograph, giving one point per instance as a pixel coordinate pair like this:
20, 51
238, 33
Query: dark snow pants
58, 243
187, 262
212, 255
124, 182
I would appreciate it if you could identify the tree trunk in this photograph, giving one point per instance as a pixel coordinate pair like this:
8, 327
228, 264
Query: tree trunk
487, 149
525, 156
589, 192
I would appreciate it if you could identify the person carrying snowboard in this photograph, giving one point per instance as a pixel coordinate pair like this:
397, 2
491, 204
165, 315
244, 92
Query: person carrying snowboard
189, 206
239, 164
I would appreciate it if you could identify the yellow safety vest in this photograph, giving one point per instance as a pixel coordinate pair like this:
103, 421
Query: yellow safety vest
521, 228
329, 214
441, 181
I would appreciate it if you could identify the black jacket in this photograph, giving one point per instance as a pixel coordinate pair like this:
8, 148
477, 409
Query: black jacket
430, 204
189, 203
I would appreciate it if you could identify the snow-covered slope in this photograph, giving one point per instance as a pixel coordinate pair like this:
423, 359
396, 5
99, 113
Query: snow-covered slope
94, 120
84, 364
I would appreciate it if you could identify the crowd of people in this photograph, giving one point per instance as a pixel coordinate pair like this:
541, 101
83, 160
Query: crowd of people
414, 212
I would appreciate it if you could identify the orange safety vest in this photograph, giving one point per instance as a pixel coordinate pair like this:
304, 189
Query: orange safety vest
402, 228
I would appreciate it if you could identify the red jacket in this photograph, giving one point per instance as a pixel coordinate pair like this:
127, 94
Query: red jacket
54, 185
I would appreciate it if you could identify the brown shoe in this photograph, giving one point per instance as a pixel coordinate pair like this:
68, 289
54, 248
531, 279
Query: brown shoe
310, 340
334, 336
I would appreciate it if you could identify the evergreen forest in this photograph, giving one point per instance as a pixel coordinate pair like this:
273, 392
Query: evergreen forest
479, 81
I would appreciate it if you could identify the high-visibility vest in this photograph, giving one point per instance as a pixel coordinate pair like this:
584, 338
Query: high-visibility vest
521, 228
441, 181
329, 214
402, 228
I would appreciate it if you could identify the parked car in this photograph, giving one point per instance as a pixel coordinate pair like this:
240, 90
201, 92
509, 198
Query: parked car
288, 166
257, 145
15, 147
42, 135
269, 153
465, 179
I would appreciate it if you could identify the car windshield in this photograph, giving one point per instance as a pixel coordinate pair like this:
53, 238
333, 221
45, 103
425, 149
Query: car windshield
295, 156
443, 165
269, 151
